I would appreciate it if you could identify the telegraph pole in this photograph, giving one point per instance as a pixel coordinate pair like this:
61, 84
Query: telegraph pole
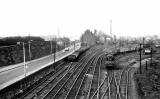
111, 28
55, 51
74, 45
24, 59
143, 41
140, 58
51, 45
29, 48
151, 56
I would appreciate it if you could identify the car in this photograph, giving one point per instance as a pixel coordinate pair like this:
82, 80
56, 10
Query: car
157, 45
147, 51
66, 49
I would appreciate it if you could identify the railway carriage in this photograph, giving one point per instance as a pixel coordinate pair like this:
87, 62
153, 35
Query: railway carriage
75, 56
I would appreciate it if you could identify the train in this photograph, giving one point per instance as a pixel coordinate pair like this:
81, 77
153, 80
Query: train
110, 56
124, 51
75, 56
109, 60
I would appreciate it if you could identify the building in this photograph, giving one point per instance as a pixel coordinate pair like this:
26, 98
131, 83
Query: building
88, 38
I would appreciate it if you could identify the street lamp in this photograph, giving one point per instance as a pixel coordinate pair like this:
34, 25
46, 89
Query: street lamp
24, 57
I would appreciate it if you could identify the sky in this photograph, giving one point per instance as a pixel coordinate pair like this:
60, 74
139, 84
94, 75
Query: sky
72, 17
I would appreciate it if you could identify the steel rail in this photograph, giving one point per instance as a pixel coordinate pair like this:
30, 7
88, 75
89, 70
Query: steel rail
45, 78
74, 85
81, 84
58, 75
98, 83
77, 75
85, 70
51, 81
109, 80
55, 85
90, 86
127, 85
80, 87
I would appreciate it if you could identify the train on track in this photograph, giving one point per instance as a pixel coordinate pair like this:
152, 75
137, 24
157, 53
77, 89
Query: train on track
109, 60
124, 51
110, 56
75, 56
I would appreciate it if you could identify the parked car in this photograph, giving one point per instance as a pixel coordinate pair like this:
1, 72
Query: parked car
66, 49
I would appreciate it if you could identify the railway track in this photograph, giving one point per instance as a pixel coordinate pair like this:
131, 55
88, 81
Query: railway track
112, 84
62, 91
96, 93
75, 88
105, 89
43, 86
85, 86
84, 80
95, 84
122, 79
40, 81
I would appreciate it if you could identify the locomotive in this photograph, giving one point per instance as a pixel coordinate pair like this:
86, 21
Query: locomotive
109, 61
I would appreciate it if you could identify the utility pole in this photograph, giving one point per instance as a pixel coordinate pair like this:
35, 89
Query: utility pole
140, 58
54, 55
151, 56
24, 59
111, 28
51, 45
29, 48
55, 51
143, 41
119, 42
58, 33
74, 45
146, 66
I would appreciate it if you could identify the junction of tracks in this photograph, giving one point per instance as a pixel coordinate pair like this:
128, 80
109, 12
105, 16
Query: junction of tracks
87, 79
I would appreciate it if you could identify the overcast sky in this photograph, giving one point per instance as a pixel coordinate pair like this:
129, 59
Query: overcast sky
72, 17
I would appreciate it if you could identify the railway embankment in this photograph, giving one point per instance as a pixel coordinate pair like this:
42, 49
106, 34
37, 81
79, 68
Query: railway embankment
148, 82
